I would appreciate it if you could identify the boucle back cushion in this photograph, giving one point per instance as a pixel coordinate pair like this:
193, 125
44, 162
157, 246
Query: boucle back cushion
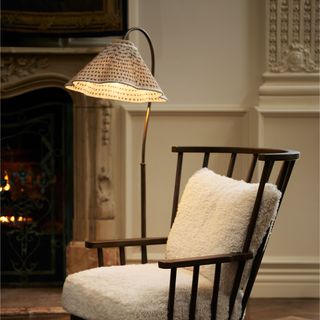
213, 216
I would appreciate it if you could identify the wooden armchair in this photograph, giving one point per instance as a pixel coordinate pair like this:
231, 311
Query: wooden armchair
214, 249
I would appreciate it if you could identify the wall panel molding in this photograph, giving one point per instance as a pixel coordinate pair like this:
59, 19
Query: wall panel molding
300, 85
288, 277
288, 111
186, 109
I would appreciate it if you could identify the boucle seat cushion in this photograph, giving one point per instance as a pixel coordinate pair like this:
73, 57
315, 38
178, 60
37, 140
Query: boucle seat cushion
138, 292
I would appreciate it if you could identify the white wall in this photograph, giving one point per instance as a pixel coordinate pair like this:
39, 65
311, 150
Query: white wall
206, 51
210, 57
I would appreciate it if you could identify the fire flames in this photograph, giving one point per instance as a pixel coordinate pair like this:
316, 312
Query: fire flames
7, 185
13, 219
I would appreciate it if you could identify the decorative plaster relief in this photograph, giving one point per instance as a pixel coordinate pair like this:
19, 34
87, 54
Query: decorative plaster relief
104, 190
106, 122
21, 66
293, 35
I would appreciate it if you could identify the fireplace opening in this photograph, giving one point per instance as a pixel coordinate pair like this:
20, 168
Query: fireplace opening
36, 187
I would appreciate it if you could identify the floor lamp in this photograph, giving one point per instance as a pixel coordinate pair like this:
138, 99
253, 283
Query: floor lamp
119, 73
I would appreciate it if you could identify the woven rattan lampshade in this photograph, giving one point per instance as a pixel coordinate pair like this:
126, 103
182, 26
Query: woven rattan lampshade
118, 73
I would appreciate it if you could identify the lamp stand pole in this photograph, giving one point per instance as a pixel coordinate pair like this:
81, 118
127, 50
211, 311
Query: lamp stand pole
143, 150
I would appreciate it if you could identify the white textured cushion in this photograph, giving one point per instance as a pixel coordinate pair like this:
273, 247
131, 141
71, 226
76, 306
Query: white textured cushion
138, 292
213, 217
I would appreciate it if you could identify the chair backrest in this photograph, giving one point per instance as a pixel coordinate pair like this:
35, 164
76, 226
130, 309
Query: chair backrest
281, 174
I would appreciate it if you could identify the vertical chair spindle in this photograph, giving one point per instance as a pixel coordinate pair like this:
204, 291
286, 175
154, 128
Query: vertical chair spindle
282, 181
205, 160
172, 289
252, 167
231, 164
194, 291
216, 285
100, 257
177, 187
284, 175
267, 168
123, 256
254, 271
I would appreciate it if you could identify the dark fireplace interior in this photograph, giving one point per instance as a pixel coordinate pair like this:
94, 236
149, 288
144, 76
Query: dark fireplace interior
36, 187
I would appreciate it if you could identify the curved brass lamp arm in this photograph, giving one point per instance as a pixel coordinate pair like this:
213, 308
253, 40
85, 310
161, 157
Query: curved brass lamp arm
143, 149
126, 37
146, 122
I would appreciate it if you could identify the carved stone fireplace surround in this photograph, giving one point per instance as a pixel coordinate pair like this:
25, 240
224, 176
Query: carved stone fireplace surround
97, 206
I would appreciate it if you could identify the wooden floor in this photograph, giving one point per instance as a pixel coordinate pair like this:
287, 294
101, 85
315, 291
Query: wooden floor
271, 309
44, 304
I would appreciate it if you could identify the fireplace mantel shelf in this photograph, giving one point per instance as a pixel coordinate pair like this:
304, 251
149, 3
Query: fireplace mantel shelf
51, 50
24, 69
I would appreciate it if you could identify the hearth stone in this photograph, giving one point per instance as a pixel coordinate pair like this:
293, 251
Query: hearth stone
81, 258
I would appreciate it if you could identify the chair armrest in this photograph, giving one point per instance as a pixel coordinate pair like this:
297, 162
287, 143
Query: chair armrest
196, 262
126, 242
204, 260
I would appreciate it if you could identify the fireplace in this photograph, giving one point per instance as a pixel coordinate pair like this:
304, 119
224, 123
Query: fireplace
60, 160
36, 186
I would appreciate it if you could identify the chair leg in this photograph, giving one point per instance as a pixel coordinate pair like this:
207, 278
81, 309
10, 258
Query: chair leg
73, 317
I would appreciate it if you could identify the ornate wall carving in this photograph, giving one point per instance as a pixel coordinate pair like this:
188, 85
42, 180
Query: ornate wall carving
21, 66
104, 181
293, 36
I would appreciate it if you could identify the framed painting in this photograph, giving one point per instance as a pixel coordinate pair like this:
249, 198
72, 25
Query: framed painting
63, 18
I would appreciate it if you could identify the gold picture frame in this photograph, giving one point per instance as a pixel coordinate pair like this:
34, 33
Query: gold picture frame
63, 18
